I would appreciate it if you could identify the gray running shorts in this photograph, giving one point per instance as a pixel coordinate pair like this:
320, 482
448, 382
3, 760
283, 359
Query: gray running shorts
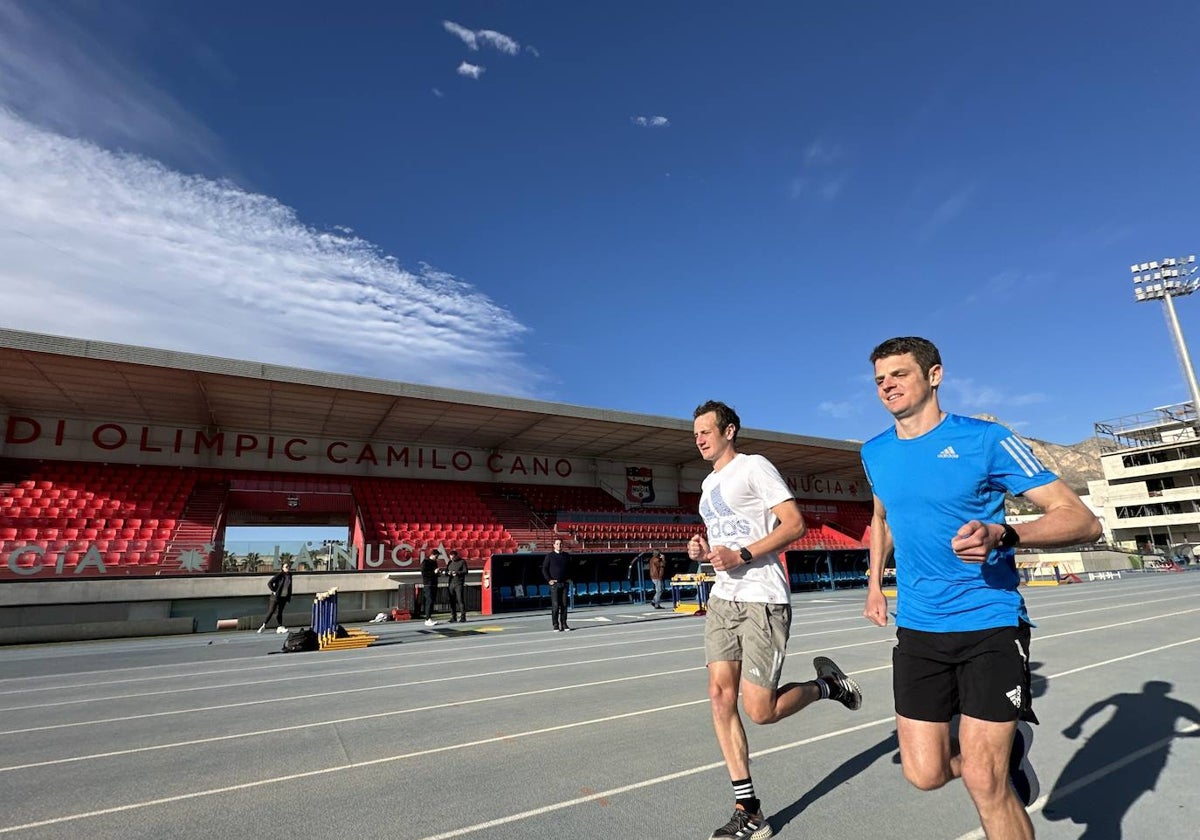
754, 634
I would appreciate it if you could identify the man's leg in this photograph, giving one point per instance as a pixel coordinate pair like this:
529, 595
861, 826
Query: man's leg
554, 596
562, 606
723, 679
926, 754
985, 772
768, 705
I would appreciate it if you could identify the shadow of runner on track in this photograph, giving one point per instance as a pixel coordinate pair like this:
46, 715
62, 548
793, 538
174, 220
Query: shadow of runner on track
1129, 751
846, 771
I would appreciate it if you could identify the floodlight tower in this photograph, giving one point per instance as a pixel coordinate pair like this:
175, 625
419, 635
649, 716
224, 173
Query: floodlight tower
1165, 280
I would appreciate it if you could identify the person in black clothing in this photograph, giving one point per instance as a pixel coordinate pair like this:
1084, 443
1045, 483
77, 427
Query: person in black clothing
429, 582
456, 572
280, 585
555, 569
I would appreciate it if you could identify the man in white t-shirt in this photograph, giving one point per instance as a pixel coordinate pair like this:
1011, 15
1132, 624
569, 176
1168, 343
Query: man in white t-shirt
750, 516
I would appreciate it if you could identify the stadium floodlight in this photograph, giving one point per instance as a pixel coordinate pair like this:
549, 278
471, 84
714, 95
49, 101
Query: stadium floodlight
1166, 280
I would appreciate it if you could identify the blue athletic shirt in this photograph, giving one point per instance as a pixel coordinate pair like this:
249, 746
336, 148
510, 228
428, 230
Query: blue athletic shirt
930, 487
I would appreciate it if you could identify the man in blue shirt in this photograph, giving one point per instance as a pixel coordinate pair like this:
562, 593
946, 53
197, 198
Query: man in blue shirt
939, 482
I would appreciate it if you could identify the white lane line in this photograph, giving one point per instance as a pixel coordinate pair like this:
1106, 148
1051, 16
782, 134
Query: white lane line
431, 681
358, 765
592, 797
1040, 637
345, 720
392, 650
389, 652
1191, 596
376, 668
379, 669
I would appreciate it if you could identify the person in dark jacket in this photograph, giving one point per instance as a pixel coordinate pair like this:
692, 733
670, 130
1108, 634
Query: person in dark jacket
429, 582
280, 585
555, 569
456, 575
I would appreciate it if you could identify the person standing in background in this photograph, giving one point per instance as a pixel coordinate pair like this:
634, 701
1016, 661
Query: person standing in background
556, 569
429, 583
456, 574
658, 569
280, 585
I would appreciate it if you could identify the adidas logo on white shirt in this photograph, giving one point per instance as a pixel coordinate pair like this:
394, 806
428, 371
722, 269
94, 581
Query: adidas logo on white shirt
948, 452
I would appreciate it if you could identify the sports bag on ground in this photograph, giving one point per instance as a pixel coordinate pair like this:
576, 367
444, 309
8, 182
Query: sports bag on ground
301, 640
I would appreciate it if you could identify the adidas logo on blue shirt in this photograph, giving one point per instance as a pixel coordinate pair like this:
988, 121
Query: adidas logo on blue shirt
948, 452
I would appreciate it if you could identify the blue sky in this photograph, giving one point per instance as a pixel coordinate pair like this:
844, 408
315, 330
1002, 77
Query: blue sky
635, 206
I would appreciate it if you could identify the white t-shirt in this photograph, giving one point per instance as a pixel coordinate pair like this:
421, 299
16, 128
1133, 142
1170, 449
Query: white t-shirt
735, 504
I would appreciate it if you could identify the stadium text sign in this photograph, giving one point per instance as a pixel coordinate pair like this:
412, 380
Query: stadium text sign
33, 560
33, 437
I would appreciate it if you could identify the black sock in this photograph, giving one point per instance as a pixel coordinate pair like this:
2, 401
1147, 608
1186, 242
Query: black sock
743, 794
828, 688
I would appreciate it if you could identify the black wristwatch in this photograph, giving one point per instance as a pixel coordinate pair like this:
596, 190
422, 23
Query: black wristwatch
746, 556
1010, 538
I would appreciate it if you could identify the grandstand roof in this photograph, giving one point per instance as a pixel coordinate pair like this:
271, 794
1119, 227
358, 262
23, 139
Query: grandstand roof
69, 377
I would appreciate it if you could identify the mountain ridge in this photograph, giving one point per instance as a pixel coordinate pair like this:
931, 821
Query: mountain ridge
1076, 463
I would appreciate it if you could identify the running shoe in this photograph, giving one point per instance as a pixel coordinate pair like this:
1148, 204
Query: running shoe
841, 687
743, 826
1020, 772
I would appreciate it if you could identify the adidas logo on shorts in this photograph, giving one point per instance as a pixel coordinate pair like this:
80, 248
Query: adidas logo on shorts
1014, 696
948, 452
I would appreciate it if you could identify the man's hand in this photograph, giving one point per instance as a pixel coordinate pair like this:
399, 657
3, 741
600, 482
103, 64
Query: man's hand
724, 558
697, 547
876, 608
975, 541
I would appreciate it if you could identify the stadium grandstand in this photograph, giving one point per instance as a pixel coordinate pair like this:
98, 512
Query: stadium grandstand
121, 468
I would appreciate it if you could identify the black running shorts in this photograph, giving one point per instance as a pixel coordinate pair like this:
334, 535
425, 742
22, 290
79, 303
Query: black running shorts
983, 674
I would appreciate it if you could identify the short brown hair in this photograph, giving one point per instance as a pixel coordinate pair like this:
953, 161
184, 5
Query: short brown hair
922, 349
725, 416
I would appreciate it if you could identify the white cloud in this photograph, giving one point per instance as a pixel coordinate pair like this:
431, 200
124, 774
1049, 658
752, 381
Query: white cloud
534, 50
467, 35
818, 153
472, 70
973, 397
820, 176
840, 410
490, 37
947, 210
58, 75
118, 247
498, 40
438, 93
651, 122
